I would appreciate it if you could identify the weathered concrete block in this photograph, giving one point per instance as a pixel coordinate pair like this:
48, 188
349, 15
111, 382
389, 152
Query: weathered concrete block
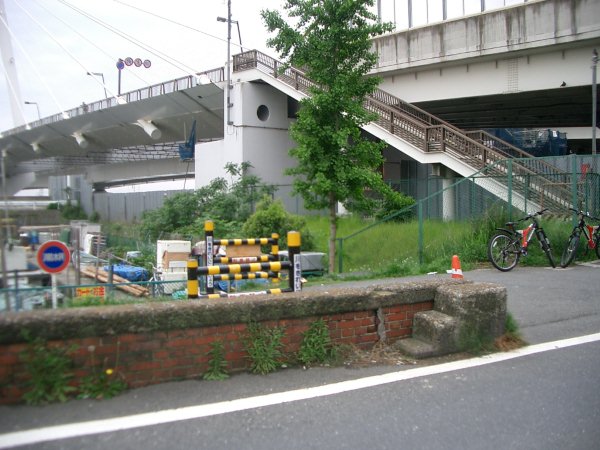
480, 307
416, 348
440, 329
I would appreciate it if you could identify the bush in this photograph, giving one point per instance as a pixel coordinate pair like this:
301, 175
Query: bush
69, 211
228, 205
271, 217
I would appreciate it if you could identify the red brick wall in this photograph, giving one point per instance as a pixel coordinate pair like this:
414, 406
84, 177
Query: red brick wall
154, 357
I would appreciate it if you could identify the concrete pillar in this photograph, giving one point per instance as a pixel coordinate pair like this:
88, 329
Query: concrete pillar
448, 177
448, 199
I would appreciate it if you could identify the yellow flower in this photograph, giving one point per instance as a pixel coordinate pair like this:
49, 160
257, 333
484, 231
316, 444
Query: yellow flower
109, 371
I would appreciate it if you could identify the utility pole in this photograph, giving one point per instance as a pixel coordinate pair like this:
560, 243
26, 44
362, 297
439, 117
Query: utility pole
229, 87
594, 99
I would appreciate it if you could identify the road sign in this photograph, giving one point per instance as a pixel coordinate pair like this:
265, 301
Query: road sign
53, 256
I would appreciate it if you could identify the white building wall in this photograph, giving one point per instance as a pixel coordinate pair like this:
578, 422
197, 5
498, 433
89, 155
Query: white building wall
259, 135
211, 157
265, 134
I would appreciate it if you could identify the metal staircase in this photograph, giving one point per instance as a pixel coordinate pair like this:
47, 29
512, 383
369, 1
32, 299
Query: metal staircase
510, 172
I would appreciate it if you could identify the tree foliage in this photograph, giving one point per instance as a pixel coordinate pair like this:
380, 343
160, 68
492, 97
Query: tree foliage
336, 163
271, 217
227, 204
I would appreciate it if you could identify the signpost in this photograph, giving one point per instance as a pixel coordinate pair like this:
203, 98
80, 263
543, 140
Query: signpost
53, 257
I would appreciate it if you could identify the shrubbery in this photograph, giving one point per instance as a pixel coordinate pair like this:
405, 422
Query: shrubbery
271, 217
227, 204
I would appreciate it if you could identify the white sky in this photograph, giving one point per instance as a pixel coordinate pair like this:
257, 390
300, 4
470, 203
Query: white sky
189, 34
55, 46
56, 42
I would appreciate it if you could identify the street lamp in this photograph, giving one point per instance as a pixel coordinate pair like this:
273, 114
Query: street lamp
229, 86
37, 107
99, 74
223, 19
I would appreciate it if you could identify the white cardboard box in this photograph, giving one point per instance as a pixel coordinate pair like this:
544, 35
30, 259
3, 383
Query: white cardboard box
171, 251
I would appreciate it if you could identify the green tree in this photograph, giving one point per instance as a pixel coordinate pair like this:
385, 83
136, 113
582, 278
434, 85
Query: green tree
330, 40
271, 217
228, 204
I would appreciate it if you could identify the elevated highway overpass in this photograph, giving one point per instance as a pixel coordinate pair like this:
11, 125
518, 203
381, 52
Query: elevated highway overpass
504, 68
525, 66
117, 140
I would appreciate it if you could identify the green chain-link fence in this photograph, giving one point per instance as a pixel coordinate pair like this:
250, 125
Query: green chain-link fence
507, 189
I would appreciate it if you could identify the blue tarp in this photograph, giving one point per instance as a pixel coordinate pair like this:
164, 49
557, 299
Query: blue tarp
186, 150
131, 273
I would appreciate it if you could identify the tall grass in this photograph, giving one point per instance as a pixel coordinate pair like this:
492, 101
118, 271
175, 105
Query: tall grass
391, 248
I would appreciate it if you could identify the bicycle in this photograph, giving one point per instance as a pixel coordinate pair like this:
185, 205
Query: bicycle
506, 247
590, 233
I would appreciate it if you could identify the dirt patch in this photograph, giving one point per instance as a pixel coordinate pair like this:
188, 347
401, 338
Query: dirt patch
509, 342
385, 355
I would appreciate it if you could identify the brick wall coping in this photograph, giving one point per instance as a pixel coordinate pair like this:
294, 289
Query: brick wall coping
147, 317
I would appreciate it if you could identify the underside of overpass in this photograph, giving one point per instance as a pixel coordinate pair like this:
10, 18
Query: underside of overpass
553, 108
557, 109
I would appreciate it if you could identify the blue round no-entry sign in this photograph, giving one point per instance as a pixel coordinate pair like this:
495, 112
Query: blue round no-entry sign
53, 256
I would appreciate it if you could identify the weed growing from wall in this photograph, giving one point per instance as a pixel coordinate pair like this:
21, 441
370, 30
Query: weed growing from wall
104, 382
217, 366
316, 346
511, 339
264, 348
50, 372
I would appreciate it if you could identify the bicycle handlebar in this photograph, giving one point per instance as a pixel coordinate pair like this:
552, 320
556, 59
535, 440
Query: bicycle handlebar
584, 214
531, 216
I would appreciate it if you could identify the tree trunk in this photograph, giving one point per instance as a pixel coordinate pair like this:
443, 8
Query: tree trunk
332, 231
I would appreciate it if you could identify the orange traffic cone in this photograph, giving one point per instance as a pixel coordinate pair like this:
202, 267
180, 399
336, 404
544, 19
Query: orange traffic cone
456, 270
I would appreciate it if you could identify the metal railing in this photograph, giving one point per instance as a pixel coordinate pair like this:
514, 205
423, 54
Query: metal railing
472, 201
165, 87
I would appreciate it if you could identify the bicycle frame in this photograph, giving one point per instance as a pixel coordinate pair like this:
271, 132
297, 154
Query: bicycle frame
590, 232
511, 241
526, 234
582, 230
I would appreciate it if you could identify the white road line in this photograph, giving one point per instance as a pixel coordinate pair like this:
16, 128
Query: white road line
52, 433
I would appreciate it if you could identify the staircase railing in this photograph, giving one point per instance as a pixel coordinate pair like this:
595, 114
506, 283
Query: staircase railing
430, 134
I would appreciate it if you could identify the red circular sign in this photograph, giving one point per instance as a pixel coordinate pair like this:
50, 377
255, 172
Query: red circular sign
53, 256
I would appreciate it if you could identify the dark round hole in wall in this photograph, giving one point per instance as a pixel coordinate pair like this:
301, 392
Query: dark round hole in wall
262, 113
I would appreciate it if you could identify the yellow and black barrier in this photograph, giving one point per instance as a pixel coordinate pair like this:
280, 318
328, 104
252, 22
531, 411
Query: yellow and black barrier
264, 266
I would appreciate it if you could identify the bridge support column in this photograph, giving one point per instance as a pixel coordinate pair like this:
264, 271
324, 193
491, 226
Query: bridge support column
448, 177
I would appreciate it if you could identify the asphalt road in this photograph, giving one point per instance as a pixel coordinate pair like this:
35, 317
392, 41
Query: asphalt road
544, 396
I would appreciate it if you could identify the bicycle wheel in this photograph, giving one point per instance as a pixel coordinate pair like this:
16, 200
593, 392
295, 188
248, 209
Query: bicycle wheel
570, 250
546, 247
504, 252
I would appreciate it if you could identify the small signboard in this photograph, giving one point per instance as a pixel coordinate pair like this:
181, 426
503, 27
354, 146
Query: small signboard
53, 256
91, 291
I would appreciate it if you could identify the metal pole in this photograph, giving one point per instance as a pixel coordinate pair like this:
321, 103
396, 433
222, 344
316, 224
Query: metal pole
120, 67
36, 106
420, 234
229, 122
594, 100
100, 74
5, 241
239, 35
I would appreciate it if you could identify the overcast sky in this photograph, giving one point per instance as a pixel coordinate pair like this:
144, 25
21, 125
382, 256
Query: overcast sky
56, 42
